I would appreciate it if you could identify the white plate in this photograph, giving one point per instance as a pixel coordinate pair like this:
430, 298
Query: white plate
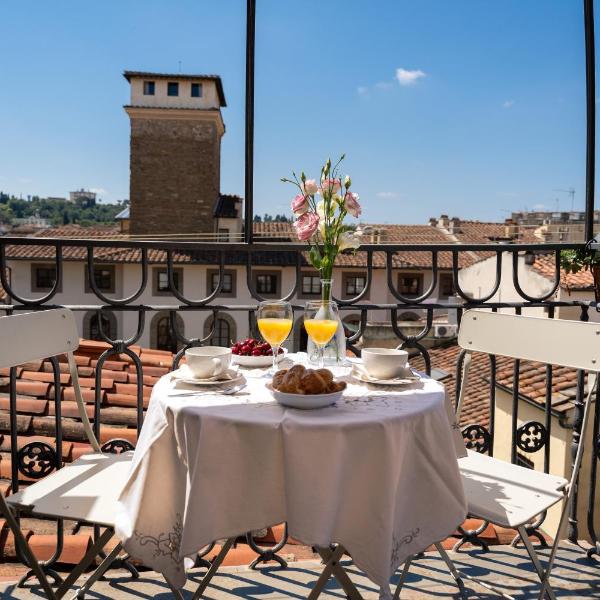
184, 375
256, 362
234, 381
407, 380
305, 401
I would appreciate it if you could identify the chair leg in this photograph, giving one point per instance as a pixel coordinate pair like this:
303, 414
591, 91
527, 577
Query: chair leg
537, 563
83, 565
214, 567
95, 576
449, 563
403, 576
21, 542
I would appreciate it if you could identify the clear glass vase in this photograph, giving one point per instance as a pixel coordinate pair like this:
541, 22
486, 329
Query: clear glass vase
334, 353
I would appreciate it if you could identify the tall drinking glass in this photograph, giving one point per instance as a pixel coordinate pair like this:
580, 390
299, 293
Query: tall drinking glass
275, 320
321, 323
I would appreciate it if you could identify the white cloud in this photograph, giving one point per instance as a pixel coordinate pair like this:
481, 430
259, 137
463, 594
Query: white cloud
387, 195
100, 191
508, 103
362, 90
407, 77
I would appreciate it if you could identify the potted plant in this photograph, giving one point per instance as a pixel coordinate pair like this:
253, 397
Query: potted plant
583, 259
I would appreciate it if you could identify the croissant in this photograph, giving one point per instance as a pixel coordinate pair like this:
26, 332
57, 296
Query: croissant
299, 380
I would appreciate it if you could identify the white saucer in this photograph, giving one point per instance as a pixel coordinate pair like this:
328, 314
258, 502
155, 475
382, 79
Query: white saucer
184, 375
233, 381
361, 375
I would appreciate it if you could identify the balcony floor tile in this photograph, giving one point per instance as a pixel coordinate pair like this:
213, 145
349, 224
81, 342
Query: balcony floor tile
575, 577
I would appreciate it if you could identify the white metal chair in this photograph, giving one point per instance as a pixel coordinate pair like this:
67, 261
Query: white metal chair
85, 490
500, 492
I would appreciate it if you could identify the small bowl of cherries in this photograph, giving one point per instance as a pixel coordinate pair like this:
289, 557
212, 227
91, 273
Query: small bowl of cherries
254, 353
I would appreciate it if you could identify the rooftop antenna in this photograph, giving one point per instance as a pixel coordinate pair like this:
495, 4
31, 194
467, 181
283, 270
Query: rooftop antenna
571, 192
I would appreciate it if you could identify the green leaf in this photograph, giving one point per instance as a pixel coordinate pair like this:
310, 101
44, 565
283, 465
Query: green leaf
315, 258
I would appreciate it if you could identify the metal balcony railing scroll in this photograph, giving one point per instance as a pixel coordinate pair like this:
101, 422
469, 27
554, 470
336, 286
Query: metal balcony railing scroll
526, 438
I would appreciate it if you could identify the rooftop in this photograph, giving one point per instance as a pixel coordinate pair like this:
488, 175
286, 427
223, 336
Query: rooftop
283, 231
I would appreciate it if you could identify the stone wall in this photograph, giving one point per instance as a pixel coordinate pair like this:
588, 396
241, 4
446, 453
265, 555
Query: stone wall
175, 175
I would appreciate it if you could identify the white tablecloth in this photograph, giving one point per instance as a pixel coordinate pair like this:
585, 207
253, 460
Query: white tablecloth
377, 473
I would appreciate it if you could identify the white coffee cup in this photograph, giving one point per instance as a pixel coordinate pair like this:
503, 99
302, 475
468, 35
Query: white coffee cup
384, 363
207, 361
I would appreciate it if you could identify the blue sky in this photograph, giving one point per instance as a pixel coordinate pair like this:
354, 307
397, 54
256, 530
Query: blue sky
468, 108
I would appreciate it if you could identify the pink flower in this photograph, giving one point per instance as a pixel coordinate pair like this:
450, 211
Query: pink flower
299, 204
331, 186
310, 187
351, 204
306, 226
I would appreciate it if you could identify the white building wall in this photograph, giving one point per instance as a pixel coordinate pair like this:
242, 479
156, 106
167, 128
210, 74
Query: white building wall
128, 279
160, 99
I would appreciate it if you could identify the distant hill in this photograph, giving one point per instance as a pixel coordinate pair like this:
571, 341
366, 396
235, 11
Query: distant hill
57, 211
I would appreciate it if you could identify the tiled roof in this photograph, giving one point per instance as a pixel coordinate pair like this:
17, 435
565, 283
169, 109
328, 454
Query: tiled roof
545, 266
532, 382
36, 406
276, 231
477, 400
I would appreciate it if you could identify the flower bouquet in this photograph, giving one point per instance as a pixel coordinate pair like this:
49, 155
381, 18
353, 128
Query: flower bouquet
320, 209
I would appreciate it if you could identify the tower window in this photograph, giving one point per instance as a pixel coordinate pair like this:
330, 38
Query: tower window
148, 88
172, 88
196, 90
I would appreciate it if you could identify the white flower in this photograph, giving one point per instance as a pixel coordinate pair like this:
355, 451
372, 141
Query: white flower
322, 228
333, 206
347, 240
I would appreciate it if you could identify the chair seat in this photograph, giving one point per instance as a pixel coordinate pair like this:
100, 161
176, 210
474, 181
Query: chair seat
85, 490
507, 494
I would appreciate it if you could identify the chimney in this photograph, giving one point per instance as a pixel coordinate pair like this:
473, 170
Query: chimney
443, 222
454, 225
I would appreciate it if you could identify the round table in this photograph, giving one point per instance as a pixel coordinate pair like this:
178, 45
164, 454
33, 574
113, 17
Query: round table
376, 473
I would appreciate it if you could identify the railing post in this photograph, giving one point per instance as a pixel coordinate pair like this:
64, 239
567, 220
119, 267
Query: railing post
590, 80
249, 151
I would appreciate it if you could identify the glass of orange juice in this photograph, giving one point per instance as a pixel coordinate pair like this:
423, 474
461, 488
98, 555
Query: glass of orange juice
321, 323
275, 319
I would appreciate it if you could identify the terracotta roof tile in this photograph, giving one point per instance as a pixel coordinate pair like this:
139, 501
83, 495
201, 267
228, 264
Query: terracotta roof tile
275, 231
545, 265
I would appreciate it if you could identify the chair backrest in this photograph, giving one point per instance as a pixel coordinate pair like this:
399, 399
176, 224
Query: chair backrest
552, 341
558, 342
37, 335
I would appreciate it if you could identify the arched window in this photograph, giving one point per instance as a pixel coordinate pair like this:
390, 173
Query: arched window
161, 336
408, 316
225, 332
91, 325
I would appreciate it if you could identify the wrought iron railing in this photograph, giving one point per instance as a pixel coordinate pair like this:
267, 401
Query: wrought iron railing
37, 459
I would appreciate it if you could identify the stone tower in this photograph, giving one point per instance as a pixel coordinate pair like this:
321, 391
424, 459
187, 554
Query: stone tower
175, 160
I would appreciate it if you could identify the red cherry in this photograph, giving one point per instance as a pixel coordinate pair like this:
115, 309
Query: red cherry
256, 352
